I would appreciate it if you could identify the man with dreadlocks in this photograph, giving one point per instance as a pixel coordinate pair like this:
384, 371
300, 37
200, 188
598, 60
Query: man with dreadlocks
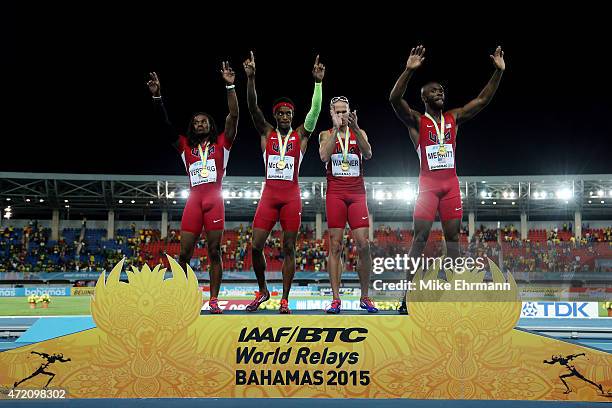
205, 153
282, 148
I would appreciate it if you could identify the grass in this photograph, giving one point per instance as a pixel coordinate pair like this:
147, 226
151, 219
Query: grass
69, 305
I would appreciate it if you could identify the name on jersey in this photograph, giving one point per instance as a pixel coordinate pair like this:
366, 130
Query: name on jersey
195, 171
288, 165
352, 163
437, 156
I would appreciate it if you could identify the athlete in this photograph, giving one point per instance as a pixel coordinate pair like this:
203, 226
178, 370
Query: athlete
283, 148
205, 152
433, 134
343, 150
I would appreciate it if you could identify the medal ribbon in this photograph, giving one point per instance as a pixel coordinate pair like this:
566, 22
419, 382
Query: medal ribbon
344, 146
282, 143
439, 131
203, 155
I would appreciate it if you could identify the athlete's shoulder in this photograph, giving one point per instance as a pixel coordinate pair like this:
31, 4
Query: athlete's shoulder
451, 114
324, 133
223, 140
183, 143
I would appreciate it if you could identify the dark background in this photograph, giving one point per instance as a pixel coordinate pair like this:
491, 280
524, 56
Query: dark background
75, 98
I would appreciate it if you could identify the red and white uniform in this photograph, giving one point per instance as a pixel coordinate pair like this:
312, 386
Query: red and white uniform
438, 182
280, 199
346, 196
204, 208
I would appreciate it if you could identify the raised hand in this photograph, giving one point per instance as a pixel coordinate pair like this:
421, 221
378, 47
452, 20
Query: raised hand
153, 85
416, 57
228, 73
249, 66
498, 59
318, 71
352, 120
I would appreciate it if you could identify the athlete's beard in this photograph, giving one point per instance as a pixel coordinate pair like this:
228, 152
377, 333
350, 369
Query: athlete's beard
199, 138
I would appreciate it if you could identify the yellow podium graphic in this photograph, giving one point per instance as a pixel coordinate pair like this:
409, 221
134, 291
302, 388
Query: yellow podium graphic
150, 341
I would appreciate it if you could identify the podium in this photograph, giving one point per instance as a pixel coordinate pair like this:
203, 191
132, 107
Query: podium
151, 341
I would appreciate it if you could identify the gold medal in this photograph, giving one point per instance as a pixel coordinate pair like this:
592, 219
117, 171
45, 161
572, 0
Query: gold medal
442, 150
345, 166
280, 165
204, 173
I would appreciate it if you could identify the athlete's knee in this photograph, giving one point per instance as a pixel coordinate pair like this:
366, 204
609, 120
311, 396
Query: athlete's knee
363, 244
214, 252
185, 254
421, 236
451, 237
257, 247
289, 247
335, 246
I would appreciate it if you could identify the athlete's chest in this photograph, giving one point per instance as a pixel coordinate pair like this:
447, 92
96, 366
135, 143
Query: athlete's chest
290, 145
210, 152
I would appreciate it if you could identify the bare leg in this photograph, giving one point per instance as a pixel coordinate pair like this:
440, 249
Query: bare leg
259, 260
451, 236
188, 240
213, 239
364, 268
335, 266
422, 228
289, 238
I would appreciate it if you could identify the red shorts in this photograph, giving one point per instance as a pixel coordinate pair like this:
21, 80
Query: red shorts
203, 210
279, 205
438, 195
343, 207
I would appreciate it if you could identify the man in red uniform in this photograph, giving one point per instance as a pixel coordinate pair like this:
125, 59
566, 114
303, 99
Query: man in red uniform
283, 149
434, 137
343, 149
205, 154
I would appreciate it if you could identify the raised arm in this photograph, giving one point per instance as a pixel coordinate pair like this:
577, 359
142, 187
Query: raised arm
402, 109
306, 129
470, 110
361, 135
327, 138
231, 121
168, 129
261, 125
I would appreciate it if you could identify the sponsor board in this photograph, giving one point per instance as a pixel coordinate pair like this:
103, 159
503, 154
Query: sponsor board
560, 310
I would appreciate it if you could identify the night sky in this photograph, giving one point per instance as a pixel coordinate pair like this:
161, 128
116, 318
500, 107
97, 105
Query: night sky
77, 100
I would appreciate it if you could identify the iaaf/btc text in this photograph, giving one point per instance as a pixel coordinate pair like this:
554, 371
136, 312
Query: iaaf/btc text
406, 263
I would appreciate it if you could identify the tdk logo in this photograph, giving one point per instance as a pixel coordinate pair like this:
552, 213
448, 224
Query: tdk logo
557, 309
303, 334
